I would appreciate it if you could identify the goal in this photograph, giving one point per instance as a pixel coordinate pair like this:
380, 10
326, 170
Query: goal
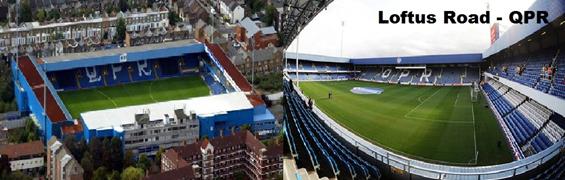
475, 92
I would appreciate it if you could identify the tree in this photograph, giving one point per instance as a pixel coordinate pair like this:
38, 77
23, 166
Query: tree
54, 14
115, 175
158, 156
19, 176
123, 4
256, 5
100, 174
86, 163
128, 159
143, 162
106, 154
173, 18
116, 154
25, 12
121, 30
40, 15
245, 127
95, 149
5, 168
270, 13
132, 173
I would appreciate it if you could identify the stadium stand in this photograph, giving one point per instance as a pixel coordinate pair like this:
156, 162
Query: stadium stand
343, 161
529, 122
318, 71
114, 74
438, 74
544, 70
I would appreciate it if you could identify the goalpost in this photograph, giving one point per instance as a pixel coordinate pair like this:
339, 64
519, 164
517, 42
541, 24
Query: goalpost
475, 92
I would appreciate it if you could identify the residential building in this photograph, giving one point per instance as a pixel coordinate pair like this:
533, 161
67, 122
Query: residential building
225, 157
61, 165
145, 128
193, 11
249, 34
266, 60
232, 9
92, 33
25, 157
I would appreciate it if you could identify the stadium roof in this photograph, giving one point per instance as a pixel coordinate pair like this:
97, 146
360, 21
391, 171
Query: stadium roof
135, 53
519, 32
201, 106
428, 59
313, 57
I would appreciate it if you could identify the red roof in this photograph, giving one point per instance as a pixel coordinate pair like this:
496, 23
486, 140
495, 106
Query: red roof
72, 128
32, 76
239, 79
23, 149
255, 99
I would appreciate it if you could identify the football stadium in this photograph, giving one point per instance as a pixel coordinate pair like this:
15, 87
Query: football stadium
151, 96
492, 115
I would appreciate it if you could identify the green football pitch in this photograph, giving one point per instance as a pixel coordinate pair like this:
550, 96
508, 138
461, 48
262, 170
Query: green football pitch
146, 92
433, 124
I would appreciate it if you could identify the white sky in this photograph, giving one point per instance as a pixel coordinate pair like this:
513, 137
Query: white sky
364, 37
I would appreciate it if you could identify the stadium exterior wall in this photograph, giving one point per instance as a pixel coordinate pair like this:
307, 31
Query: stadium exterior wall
28, 102
212, 126
439, 171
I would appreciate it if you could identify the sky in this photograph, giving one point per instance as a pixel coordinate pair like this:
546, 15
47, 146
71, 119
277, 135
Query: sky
362, 36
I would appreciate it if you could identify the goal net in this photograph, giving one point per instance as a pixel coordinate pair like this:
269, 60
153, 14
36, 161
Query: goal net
475, 92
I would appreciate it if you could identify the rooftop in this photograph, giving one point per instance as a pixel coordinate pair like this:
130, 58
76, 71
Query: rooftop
118, 51
23, 149
201, 106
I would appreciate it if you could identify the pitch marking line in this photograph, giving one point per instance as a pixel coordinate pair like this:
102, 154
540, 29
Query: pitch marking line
151, 91
474, 132
418, 106
438, 120
107, 97
455, 104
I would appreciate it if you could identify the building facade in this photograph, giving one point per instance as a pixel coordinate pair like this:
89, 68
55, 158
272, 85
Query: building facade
25, 157
144, 130
225, 157
61, 165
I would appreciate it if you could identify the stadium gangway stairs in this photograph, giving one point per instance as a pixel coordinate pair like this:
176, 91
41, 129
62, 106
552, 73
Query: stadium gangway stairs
336, 154
290, 139
308, 121
344, 149
331, 161
312, 121
311, 154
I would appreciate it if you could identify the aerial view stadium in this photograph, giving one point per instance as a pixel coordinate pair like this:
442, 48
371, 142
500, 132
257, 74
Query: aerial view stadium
183, 91
494, 114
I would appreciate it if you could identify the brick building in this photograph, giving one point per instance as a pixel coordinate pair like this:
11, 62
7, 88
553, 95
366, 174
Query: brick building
223, 158
61, 165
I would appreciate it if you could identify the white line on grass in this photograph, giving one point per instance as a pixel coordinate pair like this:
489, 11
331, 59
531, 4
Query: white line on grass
151, 91
422, 102
107, 97
437, 120
474, 131
455, 104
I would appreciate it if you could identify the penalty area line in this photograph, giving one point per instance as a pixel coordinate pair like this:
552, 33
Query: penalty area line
107, 97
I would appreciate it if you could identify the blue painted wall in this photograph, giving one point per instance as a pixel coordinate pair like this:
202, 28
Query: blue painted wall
212, 125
